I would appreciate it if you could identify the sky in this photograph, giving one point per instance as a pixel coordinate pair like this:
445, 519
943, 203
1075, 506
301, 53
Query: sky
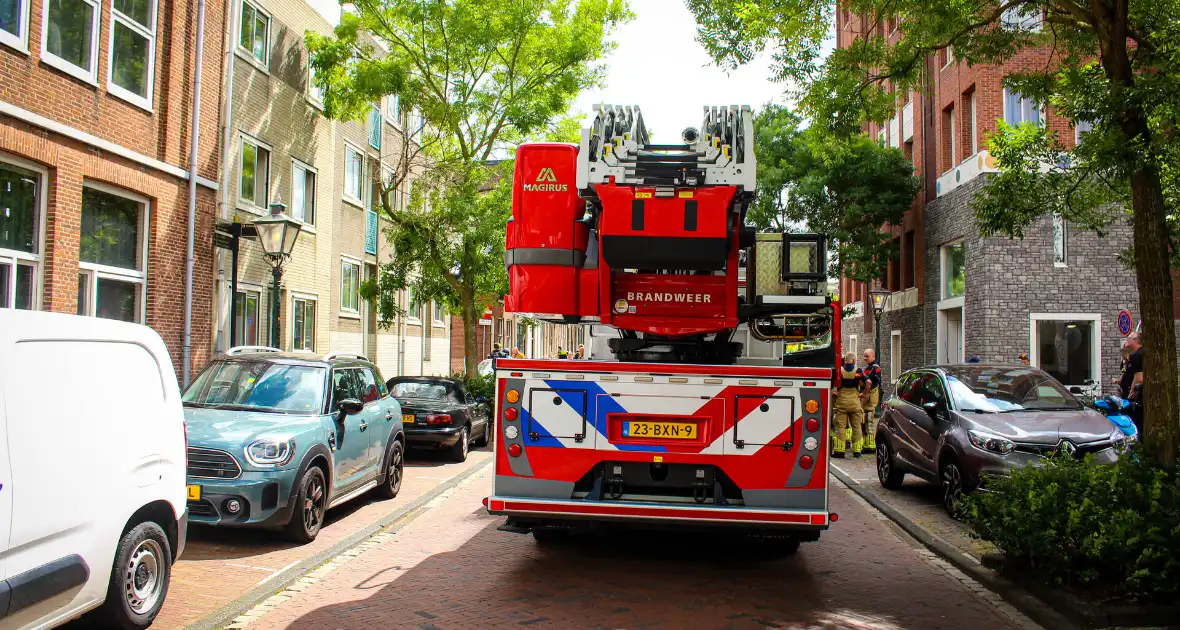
656, 53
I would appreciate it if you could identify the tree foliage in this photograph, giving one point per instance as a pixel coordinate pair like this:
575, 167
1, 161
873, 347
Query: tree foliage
1112, 63
483, 77
845, 187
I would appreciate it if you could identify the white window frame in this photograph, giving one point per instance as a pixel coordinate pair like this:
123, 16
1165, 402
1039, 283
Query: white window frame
250, 204
1095, 339
314, 99
345, 261
263, 312
410, 316
437, 309
1080, 127
851, 342
1055, 220
1012, 20
944, 301
357, 200
296, 164
950, 57
304, 297
247, 53
89, 75
974, 105
144, 102
95, 271
20, 41
17, 257
392, 118
1007, 117
954, 133
895, 366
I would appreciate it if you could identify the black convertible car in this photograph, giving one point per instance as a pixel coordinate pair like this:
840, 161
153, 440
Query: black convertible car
440, 412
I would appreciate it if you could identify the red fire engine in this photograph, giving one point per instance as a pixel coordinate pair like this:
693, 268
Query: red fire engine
675, 431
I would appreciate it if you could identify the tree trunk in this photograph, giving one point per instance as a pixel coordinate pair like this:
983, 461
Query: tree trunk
1161, 419
470, 324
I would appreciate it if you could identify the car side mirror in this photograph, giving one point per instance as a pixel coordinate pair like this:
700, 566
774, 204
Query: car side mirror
350, 406
1075, 390
931, 409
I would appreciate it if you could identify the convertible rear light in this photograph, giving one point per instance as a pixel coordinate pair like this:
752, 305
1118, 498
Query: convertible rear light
437, 419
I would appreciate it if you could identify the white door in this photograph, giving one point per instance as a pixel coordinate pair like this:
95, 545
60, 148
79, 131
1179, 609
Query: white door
951, 341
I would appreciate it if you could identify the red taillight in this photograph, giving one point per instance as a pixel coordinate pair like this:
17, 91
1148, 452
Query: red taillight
514, 450
516, 374
485, 501
805, 461
510, 413
437, 419
809, 383
812, 425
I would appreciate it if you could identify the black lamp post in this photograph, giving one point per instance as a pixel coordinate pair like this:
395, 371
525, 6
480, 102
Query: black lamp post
879, 296
276, 234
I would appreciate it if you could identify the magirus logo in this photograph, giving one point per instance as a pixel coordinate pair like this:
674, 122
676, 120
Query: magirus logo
547, 182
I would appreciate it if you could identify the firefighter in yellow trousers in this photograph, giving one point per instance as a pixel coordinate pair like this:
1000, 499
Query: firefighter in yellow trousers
869, 400
848, 406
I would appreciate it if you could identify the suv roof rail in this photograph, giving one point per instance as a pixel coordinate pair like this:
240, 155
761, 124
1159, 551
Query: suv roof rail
344, 355
248, 349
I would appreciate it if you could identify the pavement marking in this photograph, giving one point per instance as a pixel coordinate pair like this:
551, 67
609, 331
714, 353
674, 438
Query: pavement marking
319, 573
250, 566
276, 573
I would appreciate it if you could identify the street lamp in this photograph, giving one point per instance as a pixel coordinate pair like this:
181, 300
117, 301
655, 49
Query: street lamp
276, 234
879, 297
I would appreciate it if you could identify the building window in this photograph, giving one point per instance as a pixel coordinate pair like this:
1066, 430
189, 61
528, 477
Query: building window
1060, 237
69, 39
852, 346
415, 306
1019, 109
315, 93
908, 260
255, 36
303, 324
952, 145
302, 192
894, 356
974, 124
14, 21
1081, 128
953, 270
1067, 346
438, 313
947, 56
350, 286
354, 174
112, 255
393, 114
133, 50
20, 236
1024, 18
246, 318
254, 178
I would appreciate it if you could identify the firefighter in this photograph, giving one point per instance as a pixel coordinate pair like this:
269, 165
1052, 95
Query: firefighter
869, 399
848, 406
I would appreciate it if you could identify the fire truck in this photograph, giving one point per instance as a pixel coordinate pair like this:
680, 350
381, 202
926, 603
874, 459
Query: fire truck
675, 429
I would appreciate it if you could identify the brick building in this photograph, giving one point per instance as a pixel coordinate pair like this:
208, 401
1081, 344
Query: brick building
535, 340
96, 111
1055, 294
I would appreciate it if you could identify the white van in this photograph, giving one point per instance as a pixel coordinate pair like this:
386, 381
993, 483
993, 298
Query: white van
92, 471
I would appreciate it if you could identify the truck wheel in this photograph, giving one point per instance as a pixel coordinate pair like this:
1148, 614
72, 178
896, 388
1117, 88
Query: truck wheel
311, 502
459, 450
139, 579
393, 474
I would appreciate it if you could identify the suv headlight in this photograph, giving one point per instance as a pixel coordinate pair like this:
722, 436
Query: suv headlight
270, 452
990, 442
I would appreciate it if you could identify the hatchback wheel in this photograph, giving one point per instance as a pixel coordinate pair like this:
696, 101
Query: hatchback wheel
887, 471
310, 506
952, 486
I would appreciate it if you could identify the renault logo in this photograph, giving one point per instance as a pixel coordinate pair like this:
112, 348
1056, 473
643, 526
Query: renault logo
547, 175
1065, 447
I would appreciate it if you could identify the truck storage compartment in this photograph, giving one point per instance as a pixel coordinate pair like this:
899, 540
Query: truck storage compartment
546, 241
687, 230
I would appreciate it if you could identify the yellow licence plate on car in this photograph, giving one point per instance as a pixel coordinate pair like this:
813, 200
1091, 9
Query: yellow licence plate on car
194, 493
661, 430
407, 418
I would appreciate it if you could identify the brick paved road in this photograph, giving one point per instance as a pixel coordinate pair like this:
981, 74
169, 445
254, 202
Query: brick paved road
218, 565
450, 568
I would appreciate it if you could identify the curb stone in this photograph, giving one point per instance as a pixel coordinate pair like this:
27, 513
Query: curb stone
310, 570
1024, 601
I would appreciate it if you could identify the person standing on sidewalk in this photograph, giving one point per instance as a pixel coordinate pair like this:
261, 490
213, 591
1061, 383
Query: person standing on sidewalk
498, 352
848, 406
869, 399
1131, 383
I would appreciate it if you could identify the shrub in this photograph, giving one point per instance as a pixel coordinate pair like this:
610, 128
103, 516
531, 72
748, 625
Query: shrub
1113, 528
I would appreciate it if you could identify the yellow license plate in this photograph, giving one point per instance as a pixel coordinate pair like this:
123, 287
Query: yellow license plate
194, 493
660, 430
407, 418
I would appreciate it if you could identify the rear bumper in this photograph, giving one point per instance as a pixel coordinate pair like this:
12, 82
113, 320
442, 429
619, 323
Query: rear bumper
432, 437
670, 516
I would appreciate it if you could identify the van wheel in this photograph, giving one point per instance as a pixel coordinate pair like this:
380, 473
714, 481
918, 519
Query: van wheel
393, 475
139, 579
459, 450
310, 505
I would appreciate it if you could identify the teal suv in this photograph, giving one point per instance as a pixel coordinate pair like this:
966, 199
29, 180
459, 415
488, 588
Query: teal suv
276, 439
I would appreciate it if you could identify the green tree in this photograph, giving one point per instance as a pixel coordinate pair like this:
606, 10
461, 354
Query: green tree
483, 76
1115, 63
846, 187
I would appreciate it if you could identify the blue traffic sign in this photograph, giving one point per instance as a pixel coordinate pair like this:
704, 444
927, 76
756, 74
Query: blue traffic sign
1125, 324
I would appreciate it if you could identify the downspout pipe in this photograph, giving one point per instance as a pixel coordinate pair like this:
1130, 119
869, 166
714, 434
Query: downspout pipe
225, 211
194, 137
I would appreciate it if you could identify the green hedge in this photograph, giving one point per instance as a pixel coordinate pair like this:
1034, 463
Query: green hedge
1108, 528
